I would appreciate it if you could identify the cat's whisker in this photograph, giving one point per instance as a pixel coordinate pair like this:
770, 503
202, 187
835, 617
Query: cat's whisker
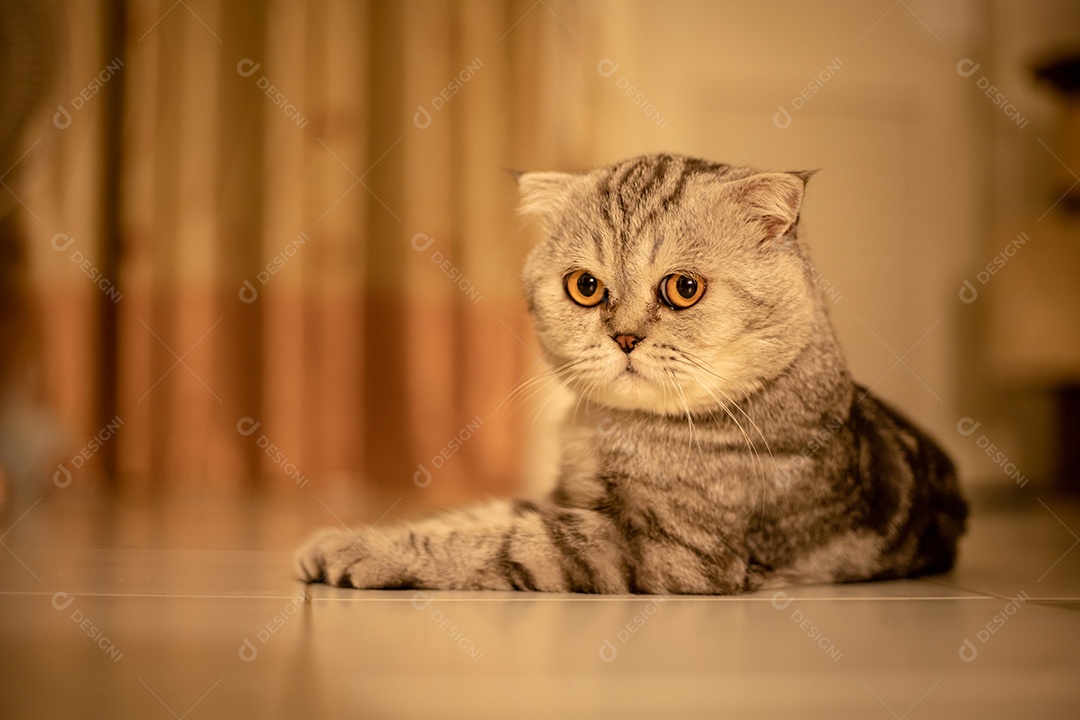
764, 478
518, 390
704, 366
583, 395
551, 387
768, 448
540, 409
568, 374
577, 403
527, 394
588, 393
754, 452
514, 393
689, 417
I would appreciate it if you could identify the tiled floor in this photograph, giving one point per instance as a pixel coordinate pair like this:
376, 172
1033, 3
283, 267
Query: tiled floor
188, 610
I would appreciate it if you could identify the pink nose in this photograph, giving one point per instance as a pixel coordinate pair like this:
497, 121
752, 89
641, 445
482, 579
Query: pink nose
627, 342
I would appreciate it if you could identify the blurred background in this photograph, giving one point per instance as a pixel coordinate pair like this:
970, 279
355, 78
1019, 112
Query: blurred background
260, 247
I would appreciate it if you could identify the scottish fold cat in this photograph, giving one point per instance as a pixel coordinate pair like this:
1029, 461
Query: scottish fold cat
719, 444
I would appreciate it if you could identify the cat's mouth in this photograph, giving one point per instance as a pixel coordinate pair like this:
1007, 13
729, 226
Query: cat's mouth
634, 373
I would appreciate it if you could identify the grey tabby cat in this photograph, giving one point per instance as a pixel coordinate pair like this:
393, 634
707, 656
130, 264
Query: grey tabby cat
719, 444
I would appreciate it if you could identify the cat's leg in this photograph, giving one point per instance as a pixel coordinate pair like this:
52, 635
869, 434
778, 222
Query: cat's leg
508, 545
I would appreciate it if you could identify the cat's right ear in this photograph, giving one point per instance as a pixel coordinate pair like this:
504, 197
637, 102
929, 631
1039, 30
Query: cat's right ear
544, 194
772, 199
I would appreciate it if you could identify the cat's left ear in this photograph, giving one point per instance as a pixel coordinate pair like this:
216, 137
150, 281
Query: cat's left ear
544, 194
773, 199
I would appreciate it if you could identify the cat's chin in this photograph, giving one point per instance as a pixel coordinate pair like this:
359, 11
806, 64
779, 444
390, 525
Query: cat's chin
636, 391
649, 405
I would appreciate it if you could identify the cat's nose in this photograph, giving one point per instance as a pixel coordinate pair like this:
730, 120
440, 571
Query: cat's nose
627, 342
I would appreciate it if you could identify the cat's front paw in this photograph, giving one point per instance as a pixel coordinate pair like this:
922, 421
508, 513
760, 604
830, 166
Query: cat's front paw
343, 558
320, 553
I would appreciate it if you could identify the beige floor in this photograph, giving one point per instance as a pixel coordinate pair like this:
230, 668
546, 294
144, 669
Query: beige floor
188, 610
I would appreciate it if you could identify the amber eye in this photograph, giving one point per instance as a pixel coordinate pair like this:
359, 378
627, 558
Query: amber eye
585, 289
681, 291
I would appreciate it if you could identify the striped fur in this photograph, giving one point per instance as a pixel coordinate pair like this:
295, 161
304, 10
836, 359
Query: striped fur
729, 450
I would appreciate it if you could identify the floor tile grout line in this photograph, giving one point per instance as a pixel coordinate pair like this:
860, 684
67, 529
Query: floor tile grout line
998, 596
963, 588
161, 596
669, 599
532, 598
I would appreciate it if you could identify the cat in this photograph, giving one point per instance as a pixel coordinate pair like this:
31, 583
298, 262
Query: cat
719, 444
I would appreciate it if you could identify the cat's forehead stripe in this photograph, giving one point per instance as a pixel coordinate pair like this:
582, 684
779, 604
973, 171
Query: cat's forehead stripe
634, 193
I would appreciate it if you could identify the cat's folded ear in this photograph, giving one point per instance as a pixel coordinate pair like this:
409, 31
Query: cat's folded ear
544, 194
773, 199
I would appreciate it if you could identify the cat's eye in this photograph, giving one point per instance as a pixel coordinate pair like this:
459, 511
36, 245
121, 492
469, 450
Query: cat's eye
585, 289
681, 290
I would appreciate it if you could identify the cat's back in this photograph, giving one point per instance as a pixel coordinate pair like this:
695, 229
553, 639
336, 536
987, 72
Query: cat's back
909, 485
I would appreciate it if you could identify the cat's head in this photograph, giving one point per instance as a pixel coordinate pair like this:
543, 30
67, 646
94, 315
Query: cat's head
668, 284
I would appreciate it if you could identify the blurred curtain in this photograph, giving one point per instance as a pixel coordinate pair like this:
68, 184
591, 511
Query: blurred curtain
313, 269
